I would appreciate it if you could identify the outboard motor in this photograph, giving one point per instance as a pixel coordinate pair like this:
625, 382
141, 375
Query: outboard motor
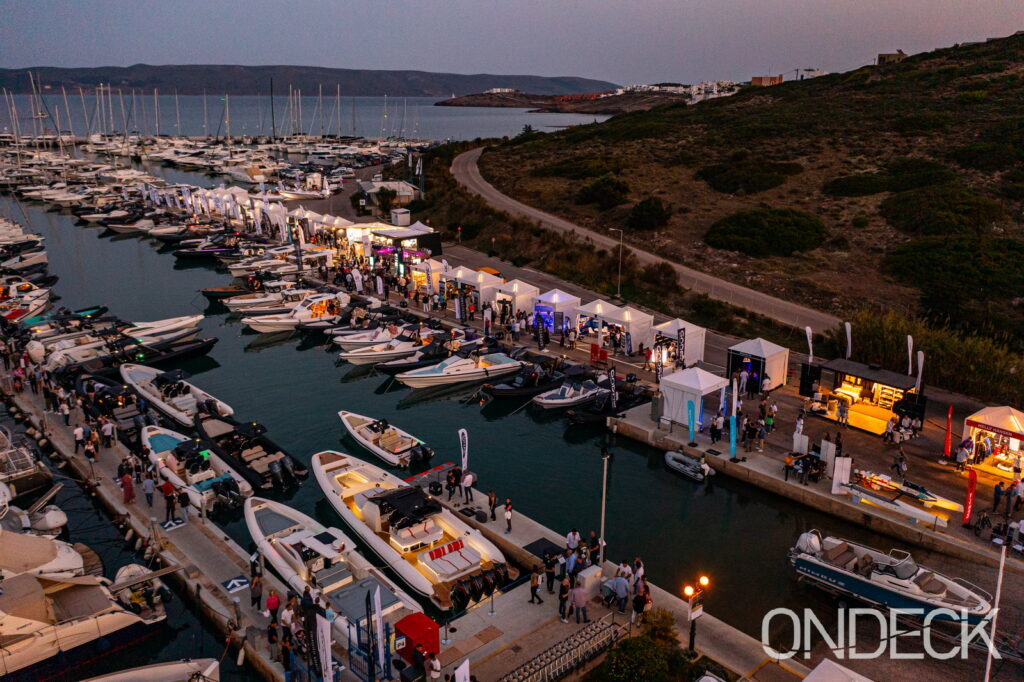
288, 466
276, 473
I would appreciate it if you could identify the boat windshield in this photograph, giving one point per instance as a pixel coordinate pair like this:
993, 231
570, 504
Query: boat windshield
906, 569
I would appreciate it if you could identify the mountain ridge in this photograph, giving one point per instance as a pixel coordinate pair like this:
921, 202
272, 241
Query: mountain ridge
237, 79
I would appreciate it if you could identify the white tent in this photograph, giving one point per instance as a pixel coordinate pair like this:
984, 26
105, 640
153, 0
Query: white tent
771, 358
692, 384
1004, 421
557, 301
638, 324
518, 292
455, 273
431, 270
693, 338
597, 309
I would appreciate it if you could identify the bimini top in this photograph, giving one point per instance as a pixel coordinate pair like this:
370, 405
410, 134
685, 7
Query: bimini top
872, 373
410, 503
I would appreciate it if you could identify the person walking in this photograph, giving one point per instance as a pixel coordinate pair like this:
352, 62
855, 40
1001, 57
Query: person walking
256, 592
508, 516
273, 603
148, 488
127, 489
535, 586
492, 503
997, 495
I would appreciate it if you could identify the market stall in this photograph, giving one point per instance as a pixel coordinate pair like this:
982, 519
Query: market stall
870, 395
997, 433
426, 276
467, 289
691, 385
635, 326
556, 309
679, 342
760, 359
589, 320
513, 296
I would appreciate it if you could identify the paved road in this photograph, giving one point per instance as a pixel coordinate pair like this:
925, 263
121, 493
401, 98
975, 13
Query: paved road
467, 173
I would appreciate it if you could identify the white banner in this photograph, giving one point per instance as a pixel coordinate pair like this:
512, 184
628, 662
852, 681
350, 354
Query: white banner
849, 339
920, 371
462, 672
464, 448
841, 475
910, 354
810, 345
323, 646
378, 624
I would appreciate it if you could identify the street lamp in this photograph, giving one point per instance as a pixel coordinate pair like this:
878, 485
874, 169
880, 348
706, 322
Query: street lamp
695, 596
618, 289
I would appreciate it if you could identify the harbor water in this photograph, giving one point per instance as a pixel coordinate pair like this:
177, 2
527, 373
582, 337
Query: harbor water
409, 117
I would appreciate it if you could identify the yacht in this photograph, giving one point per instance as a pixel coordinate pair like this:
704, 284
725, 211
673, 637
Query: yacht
171, 393
270, 292
188, 670
36, 555
324, 307
431, 549
569, 394
456, 370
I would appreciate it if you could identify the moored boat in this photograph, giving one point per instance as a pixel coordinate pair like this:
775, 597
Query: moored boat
688, 466
203, 475
390, 443
171, 393
245, 447
460, 370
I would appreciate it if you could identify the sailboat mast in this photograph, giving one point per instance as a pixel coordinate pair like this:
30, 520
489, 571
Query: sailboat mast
273, 118
156, 108
206, 127
337, 107
177, 113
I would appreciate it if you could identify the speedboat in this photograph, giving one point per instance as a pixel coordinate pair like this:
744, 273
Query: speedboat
691, 467
908, 489
138, 227
86, 348
529, 381
37, 555
249, 452
288, 301
459, 370
318, 307
170, 393
251, 265
165, 325
891, 580
372, 337
424, 357
569, 394
403, 345
390, 443
308, 554
187, 670
270, 293
204, 476
431, 549
48, 626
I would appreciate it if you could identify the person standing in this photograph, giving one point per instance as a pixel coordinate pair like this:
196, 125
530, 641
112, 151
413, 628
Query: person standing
79, 435
639, 604
572, 539
433, 666
492, 503
108, 433
273, 603
579, 603
563, 599
535, 586
65, 412
148, 487
468, 479
550, 563
167, 488
127, 489
508, 516
997, 495
256, 592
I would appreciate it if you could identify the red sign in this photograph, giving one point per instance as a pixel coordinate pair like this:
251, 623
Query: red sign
595, 353
949, 431
447, 549
972, 487
994, 429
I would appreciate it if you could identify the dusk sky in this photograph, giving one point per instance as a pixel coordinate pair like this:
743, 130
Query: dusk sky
625, 42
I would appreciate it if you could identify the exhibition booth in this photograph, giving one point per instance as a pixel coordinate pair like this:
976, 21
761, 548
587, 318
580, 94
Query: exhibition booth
872, 395
677, 342
513, 296
1000, 430
760, 359
691, 385
556, 309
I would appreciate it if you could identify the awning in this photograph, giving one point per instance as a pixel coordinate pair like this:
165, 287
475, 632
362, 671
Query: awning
1004, 421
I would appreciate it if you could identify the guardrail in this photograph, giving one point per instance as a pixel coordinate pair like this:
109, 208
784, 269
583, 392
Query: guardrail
568, 654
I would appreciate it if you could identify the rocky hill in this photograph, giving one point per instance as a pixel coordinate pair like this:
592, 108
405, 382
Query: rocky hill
193, 79
608, 104
897, 187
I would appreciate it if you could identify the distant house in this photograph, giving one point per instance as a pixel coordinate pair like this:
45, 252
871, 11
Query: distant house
764, 81
406, 192
500, 91
805, 74
890, 58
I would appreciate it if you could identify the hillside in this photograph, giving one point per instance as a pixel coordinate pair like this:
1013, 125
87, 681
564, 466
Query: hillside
896, 187
609, 104
192, 79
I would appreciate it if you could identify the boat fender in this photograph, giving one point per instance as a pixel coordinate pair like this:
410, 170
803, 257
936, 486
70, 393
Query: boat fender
128, 535
43, 443
241, 657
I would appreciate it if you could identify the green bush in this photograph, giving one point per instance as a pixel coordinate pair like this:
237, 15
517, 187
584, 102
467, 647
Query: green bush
899, 175
985, 156
972, 97
927, 122
606, 191
860, 221
943, 209
417, 205
767, 232
649, 214
747, 174
578, 168
858, 185
637, 658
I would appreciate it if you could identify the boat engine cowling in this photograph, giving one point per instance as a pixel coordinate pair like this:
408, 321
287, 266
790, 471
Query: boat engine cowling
808, 543
459, 596
276, 473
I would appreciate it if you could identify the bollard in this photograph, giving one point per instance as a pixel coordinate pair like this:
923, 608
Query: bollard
238, 612
490, 612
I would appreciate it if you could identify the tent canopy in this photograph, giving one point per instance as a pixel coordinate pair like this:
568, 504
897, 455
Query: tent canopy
1003, 420
558, 301
693, 338
597, 308
521, 293
689, 385
758, 348
772, 358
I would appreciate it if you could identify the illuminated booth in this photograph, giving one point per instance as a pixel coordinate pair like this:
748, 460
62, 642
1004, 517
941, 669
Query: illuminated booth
589, 320
872, 395
679, 335
556, 309
1001, 430
637, 326
463, 286
513, 296
690, 385
760, 358
426, 276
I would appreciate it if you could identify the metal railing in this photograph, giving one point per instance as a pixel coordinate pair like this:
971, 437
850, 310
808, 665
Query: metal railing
569, 654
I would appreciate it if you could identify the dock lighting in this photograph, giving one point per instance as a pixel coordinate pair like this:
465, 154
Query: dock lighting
704, 581
695, 597
688, 591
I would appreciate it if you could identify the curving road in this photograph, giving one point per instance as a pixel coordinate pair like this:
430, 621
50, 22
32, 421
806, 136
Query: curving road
467, 173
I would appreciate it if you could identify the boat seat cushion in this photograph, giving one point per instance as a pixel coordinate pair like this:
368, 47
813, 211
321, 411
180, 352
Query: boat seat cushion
928, 583
250, 454
450, 561
841, 555
864, 565
420, 533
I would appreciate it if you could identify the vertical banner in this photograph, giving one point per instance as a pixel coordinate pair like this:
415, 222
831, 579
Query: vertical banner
657, 365
462, 672
947, 443
841, 474
378, 624
322, 643
595, 353
810, 345
681, 346
972, 488
920, 372
464, 448
691, 416
430, 278
629, 343
849, 339
732, 435
614, 395
910, 354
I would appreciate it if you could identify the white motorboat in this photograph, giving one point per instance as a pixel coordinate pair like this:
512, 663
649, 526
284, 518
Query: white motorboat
456, 369
48, 626
318, 307
158, 326
431, 549
200, 473
36, 555
390, 443
308, 554
116, 214
26, 260
288, 301
892, 580
170, 393
410, 340
85, 351
139, 226
194, 670
370, 337
251, 265
270, 293
569, 394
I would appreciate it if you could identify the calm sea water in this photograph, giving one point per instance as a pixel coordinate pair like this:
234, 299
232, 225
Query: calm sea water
413, 117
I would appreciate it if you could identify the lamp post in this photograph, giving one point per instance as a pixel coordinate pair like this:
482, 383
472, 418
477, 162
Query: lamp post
695, 596
618, 288
605, 456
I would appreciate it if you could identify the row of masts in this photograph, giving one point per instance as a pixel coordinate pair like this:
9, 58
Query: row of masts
114, 112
